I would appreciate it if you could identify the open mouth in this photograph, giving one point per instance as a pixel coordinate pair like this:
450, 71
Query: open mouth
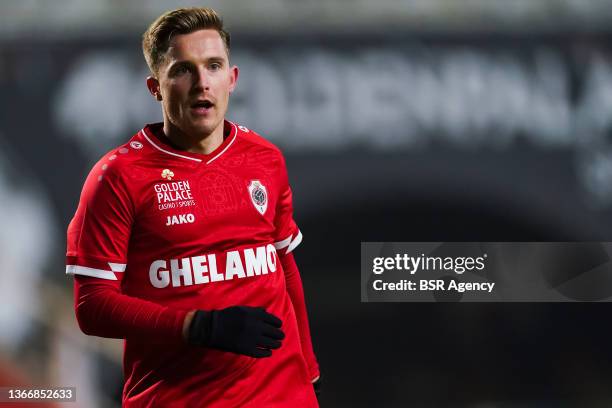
202, 104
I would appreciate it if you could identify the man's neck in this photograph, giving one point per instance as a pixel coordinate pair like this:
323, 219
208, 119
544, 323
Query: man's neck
202, 144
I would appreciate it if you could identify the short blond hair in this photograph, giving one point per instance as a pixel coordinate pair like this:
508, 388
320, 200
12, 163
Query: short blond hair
156, 40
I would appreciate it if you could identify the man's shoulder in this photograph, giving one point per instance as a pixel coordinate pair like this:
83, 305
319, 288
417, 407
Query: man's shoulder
257, 140
122, 158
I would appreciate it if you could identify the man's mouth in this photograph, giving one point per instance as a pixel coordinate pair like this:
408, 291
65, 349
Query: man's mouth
202, 106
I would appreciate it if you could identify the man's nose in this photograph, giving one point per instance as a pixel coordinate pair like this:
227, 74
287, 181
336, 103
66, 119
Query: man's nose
202, 80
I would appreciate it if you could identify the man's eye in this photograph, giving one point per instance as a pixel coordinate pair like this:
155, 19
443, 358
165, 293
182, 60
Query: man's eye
215, 66
180, 70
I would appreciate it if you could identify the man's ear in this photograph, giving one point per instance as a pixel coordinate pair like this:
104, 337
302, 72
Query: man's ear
234, 78
153, 86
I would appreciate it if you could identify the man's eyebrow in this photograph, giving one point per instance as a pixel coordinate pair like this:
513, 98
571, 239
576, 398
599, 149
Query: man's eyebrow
216, 59
176, 63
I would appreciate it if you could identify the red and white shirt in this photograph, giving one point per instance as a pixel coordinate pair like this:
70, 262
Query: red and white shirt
193, 231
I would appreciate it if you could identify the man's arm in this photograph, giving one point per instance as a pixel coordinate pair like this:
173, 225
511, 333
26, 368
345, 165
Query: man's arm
296, 293
102, 310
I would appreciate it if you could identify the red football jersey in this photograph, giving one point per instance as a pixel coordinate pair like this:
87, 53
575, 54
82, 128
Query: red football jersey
193, 231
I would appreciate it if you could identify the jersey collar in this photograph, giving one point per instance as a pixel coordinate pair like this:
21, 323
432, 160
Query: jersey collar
154, 135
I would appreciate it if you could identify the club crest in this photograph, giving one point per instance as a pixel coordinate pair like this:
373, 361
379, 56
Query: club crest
259, 196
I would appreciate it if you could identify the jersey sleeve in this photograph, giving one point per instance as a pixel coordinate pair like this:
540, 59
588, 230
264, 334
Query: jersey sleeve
295, 290
98, 235
287, 235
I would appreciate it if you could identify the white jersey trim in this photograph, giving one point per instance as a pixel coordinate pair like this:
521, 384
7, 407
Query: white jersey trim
96, 273
235, 134
228, 145
290, 243
116, 267
166, 151
295, 242
282, 244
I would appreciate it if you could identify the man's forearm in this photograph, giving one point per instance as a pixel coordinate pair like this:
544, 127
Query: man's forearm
102, 310
296, 293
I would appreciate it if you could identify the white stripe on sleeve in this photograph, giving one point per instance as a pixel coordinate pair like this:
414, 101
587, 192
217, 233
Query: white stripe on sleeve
295, 242
282, 244
96, 273
115, 267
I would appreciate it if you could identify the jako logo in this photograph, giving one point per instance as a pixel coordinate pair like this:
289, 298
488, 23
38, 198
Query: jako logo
180, 219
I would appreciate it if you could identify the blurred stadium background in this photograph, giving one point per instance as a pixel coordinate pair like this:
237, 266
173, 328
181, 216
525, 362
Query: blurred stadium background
414, 120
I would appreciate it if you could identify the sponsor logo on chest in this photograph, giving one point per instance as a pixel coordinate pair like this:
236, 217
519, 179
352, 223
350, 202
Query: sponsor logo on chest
205, 268
174, 194
171, 192
180, 219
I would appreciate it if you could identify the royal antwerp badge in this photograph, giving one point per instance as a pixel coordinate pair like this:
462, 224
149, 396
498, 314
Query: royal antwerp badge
259, 196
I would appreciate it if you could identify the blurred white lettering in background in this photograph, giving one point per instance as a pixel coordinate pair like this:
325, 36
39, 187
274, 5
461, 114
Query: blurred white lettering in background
321, 99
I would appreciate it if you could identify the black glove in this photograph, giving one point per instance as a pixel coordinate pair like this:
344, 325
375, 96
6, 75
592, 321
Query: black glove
246, 330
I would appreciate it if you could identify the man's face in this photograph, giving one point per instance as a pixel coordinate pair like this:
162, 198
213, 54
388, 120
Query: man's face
194, 83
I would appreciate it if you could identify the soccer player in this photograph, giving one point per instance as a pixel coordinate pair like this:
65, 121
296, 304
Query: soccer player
182, 242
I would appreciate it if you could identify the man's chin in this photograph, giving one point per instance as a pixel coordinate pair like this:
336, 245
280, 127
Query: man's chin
201, 129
